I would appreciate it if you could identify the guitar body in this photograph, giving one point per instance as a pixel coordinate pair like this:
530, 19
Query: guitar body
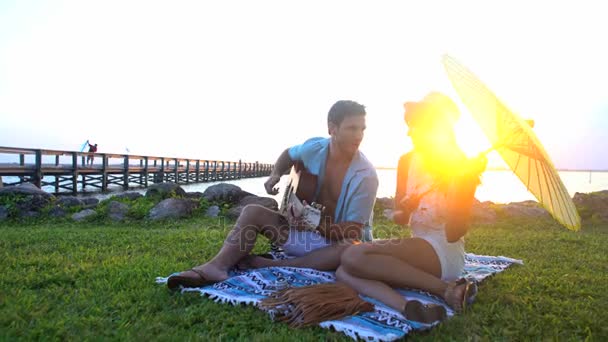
301, 187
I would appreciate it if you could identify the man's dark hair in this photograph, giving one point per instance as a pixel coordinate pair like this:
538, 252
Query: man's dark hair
343, 109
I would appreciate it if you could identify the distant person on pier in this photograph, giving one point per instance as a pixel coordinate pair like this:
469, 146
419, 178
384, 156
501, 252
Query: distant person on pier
91, 157
347, 185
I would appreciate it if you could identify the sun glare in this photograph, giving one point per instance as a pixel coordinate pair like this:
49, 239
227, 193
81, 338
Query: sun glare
473, 141
469, 136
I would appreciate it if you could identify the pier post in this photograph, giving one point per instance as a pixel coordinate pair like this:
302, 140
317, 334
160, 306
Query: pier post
56, 177
161, 175
125, 173
198, 171
176, 172
75, 174
104, 172
38, 175
146, 172
187, 171
206, 176
21, 163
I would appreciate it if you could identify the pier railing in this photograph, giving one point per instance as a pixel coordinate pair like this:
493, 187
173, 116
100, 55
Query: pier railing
70, 171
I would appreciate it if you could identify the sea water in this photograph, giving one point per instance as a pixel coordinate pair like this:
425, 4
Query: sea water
496, 186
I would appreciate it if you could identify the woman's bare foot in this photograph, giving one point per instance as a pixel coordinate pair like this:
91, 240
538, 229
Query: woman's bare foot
459, 294
255, 261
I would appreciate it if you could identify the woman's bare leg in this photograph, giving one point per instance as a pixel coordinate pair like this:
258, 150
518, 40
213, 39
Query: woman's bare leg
400, 263
373, 288
411, 309
408, 262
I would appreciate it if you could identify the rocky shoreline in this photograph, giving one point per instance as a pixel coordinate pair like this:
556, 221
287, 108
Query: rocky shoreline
170, 201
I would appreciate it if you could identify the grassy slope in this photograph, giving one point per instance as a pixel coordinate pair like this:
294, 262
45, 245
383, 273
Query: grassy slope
96, 280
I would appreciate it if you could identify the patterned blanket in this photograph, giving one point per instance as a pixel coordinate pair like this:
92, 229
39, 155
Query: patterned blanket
383, 324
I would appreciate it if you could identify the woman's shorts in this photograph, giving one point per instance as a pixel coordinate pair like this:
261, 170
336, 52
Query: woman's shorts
451, 254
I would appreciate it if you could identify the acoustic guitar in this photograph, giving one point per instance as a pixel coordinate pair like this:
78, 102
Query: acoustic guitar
301, 187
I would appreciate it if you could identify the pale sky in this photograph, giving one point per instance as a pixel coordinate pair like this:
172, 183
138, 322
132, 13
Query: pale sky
245, 79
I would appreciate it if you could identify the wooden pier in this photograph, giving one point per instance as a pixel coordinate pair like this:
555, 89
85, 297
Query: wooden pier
70, 172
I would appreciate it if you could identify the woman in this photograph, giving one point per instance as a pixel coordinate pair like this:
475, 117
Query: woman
435, 190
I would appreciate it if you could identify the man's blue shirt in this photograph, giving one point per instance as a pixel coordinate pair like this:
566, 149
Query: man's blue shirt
358, 191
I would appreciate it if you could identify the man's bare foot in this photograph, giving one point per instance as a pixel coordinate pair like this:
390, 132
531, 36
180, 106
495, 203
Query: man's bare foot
425, 313
198, 276
255, 261
212, 272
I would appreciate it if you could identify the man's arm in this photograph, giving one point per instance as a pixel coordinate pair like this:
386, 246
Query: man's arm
281, 166
283, 163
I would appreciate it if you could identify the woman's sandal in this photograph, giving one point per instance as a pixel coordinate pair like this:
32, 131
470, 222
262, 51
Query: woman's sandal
460, 304
424, 313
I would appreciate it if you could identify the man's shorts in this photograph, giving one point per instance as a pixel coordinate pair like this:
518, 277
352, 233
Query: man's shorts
301, 242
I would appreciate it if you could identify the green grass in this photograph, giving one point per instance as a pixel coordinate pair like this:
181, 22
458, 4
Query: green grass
95, 280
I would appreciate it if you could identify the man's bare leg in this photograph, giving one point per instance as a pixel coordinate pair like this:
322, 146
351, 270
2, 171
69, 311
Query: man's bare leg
323, 259
254, 219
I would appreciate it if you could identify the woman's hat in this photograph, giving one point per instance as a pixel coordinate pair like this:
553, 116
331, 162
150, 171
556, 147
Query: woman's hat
434, 107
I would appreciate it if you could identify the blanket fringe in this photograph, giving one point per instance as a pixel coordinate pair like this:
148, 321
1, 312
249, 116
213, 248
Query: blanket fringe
310, 305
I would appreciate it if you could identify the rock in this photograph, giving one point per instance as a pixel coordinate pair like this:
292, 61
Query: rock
483, 212
194, 195
57, 211
130, 195
83, 215
388, 214
90, 201
594, 204
117, 210
524, 209
3, 213
267, 202
165, 190
212, 211
225, 192
29, 214
234, 212
30, 198
69, 201
173, 208
24, 189
385, 202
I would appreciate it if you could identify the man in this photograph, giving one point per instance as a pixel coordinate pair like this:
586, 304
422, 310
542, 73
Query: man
347, 188
91, 157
